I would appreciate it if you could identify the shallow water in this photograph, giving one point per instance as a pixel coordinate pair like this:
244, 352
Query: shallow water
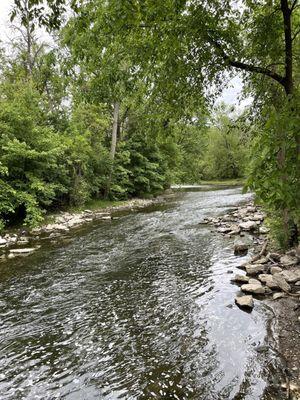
137, 308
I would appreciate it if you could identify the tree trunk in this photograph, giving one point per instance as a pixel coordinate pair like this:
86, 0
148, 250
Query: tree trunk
114, 130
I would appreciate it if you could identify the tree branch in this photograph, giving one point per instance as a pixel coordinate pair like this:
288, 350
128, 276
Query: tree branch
247, 67
293, 5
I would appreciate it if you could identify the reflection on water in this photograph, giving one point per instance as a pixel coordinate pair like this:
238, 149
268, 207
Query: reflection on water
140, 308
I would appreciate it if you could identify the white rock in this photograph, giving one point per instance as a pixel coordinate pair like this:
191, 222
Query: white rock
268, 280
264, 230
253, 269
277, 296
3, 242
288, 261
240, 278
245, 301
255, 288
291, 275
253, 281
248, 226
281, 282
22, 251
275, 270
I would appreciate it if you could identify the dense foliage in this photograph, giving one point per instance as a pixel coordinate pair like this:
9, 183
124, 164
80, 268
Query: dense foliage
123, 107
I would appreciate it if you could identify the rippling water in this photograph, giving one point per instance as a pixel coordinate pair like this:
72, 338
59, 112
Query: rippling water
139, 308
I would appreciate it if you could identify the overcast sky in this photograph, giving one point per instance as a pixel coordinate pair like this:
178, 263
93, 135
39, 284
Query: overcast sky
229, 95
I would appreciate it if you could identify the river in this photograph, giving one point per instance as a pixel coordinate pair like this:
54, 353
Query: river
138, 308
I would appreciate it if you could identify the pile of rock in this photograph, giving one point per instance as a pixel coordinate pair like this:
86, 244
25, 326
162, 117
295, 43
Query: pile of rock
248, 218
274, 274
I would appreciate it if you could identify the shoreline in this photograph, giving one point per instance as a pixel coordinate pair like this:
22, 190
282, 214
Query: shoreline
273, 278
25, 242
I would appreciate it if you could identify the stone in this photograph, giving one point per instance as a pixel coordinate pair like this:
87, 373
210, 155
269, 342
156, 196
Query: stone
275, 270
278, 295
22, 251
297, 283
241, 248
251, 209
253, 281
224, 229
3, 242
258, 217
245, 301
281, 282
253, 269
263, 230
291, 275
248, 226
240, 278
288, 261
253, 288
268, 280
262, 260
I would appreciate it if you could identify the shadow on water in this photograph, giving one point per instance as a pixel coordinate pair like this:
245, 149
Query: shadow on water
137, 308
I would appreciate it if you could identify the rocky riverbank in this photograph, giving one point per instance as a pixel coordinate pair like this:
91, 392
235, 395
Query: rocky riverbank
267, 276
25, 241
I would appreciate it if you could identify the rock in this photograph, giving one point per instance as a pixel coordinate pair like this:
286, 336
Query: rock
291, 275
240, 278
281, 282
268, 280
253, 281
262, 260
279, 295
297, 283
288, 261
245, 301
248, 226
56, 227
255, 269
3, 242
22, 251
263, 230
224, 229
275, 270
241, 248
255, 288
258, 217
251, 209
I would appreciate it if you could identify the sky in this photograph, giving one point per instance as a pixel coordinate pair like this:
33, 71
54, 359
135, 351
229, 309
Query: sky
230, 95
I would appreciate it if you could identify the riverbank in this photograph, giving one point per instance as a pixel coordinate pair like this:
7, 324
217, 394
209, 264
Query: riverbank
271, 277
24, 241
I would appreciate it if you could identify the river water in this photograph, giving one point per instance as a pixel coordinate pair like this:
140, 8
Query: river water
138, 308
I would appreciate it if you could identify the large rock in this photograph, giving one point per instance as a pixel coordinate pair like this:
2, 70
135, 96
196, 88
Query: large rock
291, 275
22, 251
245, 301
275, 270
248, 226
253, 288
281, 282
288, 261
277, 296
240, 278
268, 280
240, 248
3, 242
253, 269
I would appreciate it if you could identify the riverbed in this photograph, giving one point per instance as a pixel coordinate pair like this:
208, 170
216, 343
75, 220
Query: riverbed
140, 307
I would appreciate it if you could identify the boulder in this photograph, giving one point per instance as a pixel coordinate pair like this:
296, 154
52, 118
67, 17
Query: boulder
253, 281
248, 226
253, 269
245, 301
288, 261
281, 282
3, 242
253, 288
278, 295
240, 278
291, 275
241, 248
268, 280
275, 270
263, 230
